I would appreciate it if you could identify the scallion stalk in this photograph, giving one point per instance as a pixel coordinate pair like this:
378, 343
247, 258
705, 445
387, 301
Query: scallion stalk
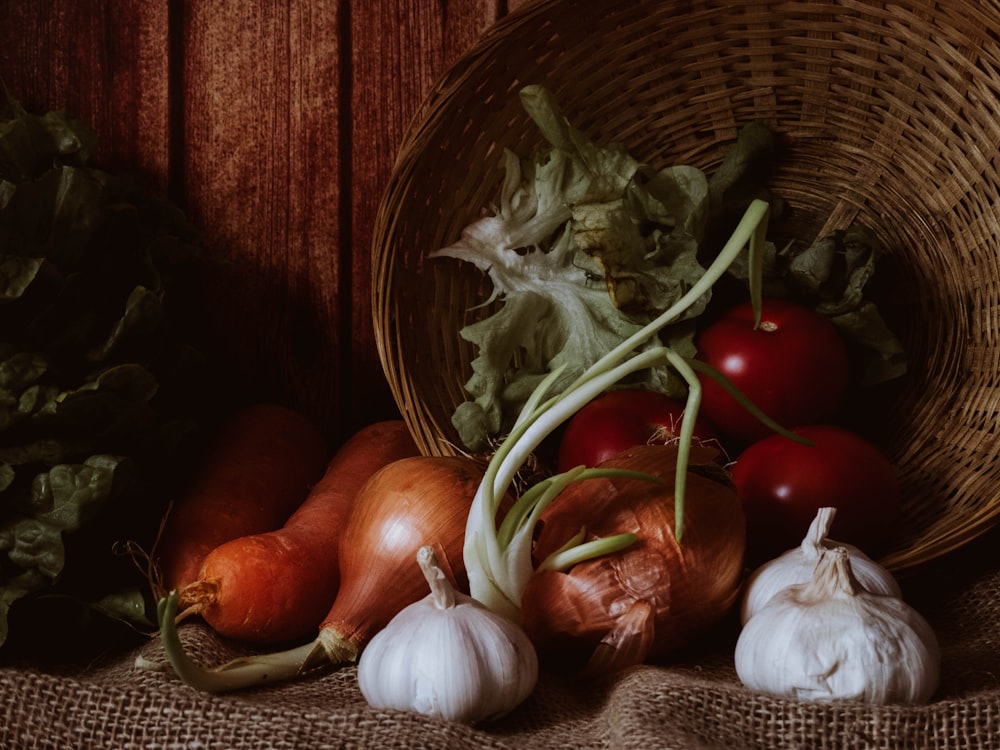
499, 569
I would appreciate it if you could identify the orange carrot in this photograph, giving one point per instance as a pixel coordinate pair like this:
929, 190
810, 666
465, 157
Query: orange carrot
277, 586
257, 470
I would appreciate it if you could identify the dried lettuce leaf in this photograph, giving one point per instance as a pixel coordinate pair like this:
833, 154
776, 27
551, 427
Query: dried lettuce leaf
29, 143
745, 170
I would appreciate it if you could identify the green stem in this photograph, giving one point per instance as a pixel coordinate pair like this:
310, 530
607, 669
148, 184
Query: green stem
495, 579
746, 403
691, 407
573, 541
747, 234
491, 488
534, 402
538, 497
519, 511
251, 672
577, 553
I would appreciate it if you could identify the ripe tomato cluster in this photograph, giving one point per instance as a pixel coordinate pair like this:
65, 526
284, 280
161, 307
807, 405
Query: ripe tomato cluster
793, 365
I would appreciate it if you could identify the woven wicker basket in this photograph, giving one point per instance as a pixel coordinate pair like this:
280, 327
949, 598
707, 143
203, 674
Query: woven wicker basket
891, 110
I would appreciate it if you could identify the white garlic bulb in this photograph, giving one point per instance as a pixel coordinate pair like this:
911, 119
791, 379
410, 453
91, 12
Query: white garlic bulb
448, 656
829, 639
796, 566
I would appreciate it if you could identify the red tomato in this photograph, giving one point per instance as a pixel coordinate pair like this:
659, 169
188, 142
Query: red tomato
793, 367
783, 483
622, 419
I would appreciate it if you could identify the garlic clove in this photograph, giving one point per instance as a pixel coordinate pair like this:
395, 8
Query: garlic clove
448, 656
830, 639
796, 566
423, 671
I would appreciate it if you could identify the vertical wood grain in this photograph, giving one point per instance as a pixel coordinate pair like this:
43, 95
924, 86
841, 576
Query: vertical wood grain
104, 62
399, 50
262, 177
275, 126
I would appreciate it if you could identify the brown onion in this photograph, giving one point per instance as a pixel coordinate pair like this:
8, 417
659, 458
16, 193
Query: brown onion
654, 596
408, 504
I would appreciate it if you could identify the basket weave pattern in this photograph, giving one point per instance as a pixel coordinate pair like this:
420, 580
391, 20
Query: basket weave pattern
890, 113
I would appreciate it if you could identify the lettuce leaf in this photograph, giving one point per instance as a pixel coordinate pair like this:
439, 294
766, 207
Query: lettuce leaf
585, 246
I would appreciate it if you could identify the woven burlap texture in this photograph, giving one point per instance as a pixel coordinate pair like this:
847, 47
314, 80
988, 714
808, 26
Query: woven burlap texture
695, 701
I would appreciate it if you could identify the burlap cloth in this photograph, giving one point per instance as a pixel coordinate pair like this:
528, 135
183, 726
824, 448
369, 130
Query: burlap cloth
695, 701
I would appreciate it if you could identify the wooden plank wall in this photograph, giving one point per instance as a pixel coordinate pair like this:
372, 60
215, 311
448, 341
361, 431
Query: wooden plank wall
275, 126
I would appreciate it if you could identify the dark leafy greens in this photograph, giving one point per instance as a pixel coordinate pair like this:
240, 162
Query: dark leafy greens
99, 386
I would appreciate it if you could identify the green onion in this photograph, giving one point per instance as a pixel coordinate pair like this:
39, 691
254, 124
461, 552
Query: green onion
499, 563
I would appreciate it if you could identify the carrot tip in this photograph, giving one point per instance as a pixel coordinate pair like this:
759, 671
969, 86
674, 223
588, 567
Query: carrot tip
195, 598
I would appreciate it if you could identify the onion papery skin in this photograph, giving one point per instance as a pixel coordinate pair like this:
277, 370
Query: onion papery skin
410, 503
653, 597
